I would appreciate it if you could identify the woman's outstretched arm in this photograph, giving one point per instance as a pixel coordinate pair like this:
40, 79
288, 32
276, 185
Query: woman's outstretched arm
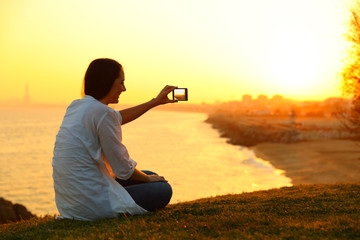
133, 113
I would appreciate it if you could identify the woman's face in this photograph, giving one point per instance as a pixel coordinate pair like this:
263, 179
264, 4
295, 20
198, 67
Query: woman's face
117, 88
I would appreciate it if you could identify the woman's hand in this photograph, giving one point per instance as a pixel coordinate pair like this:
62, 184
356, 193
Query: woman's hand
162, 97
143, 177
156, 178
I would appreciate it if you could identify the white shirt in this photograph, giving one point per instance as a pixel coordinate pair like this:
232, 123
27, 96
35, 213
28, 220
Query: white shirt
84, 189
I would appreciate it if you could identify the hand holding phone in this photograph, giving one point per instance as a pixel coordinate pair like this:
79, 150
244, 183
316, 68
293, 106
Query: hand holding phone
180, 94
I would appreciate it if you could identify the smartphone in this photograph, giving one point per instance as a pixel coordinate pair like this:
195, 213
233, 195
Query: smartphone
180, 94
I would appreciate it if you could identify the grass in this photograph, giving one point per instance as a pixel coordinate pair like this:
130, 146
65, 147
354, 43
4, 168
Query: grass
329, 211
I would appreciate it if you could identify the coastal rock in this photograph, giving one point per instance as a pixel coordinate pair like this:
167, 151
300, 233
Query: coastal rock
250, 133
12, 212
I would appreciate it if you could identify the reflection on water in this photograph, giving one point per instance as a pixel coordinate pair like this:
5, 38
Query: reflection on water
180, 146
194, 159
27, 137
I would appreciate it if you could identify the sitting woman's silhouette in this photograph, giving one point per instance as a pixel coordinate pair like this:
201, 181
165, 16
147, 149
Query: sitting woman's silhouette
88, 153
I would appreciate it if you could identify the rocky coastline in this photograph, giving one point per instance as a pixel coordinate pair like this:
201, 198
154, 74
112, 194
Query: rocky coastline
10, 212
249, 131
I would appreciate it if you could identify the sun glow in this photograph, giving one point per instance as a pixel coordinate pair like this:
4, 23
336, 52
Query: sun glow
301, 48
295, 64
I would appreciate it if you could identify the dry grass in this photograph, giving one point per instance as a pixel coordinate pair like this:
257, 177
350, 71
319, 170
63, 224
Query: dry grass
307, 211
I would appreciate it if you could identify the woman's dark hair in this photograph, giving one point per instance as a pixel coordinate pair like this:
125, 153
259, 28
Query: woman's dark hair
100, 76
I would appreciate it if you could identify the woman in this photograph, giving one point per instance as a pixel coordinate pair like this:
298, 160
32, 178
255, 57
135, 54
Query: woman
90, 139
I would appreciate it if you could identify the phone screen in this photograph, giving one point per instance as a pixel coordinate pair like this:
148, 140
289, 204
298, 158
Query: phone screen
180, 94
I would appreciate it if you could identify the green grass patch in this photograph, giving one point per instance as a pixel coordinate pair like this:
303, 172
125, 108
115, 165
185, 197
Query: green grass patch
321, 211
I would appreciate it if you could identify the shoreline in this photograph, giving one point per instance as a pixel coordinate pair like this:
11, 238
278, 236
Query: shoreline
313, 162
304, 159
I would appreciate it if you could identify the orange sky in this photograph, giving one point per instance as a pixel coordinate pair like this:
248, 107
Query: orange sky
219, 49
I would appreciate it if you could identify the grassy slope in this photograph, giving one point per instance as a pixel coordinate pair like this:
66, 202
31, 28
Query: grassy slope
310, 211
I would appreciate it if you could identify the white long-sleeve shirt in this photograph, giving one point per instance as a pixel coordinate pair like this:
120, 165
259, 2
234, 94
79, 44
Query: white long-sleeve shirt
84, 189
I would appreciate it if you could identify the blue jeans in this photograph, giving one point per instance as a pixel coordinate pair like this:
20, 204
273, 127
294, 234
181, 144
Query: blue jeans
150, 196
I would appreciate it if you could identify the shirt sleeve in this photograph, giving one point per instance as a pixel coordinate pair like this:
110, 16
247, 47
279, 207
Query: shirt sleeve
110, 137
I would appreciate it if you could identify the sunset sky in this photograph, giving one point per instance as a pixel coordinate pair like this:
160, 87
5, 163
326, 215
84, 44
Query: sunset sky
218, 49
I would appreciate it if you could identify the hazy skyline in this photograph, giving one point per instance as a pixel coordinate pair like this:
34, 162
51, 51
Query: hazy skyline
219, 50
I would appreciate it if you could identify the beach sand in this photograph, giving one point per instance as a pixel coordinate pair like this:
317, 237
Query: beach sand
311, 162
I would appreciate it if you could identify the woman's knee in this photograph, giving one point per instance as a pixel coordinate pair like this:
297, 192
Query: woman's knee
162, 196
151, 196
165, 191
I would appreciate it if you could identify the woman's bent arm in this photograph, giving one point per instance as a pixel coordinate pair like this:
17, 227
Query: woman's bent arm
133, 113
140, 176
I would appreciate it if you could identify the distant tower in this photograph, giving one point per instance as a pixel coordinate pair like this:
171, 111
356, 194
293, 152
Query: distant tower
27, 95
293, 116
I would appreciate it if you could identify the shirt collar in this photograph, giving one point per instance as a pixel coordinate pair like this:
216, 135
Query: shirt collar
88, 97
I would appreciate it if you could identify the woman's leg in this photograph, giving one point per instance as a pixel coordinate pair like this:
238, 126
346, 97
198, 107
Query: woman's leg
150, 196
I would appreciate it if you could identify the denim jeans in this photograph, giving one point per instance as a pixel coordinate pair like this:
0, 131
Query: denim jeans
150, 196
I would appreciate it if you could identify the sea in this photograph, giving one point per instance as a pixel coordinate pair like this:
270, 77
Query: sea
180, 146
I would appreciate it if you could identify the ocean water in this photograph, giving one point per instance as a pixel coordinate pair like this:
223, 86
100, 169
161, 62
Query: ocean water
178, 145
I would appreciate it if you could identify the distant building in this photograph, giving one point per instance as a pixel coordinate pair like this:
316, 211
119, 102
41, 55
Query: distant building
277, 99
262, 98
246, 98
